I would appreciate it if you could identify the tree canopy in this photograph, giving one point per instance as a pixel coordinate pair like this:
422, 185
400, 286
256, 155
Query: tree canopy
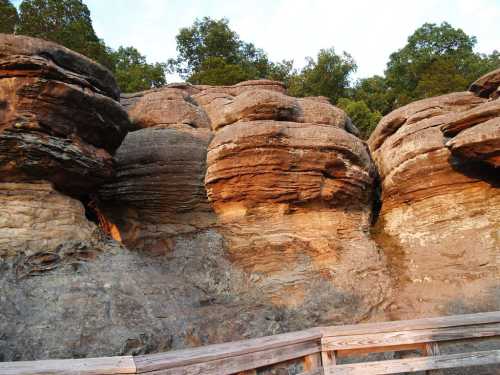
66, 22
328, 75
437, 59
133, 73
209, 52
8, 17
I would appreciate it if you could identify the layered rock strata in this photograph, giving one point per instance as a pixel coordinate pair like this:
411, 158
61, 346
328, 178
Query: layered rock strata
439, 222
159, 192
59, 126
292, 190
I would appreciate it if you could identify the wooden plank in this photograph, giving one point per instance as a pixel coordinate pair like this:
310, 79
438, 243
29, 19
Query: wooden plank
84, 366
408, 325
417, 364
186, 357
380, 349
410, 337
432, 349
248, 361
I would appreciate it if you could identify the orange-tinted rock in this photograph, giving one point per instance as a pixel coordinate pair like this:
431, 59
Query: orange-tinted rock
438, 219
23, 56
480, 142
158, 192
488, 85
59, 126
168, 106
35, 218
294, 204
56, 123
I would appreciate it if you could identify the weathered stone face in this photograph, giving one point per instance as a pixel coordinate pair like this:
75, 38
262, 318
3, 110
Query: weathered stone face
168, 107
59, 126
293, 201
439, 219
57, 121
36, 218
158, 192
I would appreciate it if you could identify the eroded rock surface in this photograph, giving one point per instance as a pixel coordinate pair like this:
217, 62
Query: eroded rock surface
159, 192
59, 127
34, 217
58, 119
439, 221
293, 201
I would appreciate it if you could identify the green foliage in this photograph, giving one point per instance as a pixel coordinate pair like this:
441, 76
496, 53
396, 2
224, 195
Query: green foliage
66, 22
375, 92
365, 119
328, 76
209, 52
431, 53
8, 17
133, 73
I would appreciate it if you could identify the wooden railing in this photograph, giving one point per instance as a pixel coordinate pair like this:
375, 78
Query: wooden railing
314, 351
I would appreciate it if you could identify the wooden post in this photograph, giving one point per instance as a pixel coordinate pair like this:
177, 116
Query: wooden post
312, 362
328, 359
432, 349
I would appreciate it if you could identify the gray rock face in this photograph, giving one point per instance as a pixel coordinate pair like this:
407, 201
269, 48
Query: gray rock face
99, 299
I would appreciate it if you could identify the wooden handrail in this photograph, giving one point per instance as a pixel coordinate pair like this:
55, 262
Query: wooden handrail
318, 349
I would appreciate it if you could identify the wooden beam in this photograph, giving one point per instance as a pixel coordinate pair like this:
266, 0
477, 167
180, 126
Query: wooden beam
380, 349
408, 325
410, 337
207, 353
244, 362
417, 364
84, 366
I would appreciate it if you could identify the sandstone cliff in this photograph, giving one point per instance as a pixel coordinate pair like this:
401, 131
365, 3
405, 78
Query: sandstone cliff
241, 211
439, 223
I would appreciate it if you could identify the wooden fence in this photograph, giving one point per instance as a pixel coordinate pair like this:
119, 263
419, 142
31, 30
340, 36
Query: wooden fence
314, 351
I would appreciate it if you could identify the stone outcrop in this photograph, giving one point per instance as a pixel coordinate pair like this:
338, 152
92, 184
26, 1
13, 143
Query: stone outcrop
488, 86
59, 126
242, 211
292, 190
158, 192
439, 219
58, 119
34, 217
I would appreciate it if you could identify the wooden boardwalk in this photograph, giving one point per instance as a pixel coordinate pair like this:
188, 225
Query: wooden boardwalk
318, 350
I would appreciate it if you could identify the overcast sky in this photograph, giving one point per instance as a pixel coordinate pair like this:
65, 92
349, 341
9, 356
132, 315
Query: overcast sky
369, 30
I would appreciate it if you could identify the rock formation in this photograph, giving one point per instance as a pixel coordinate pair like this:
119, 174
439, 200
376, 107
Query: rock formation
59, 125
439, 222
242, 211
158, 192
292, 191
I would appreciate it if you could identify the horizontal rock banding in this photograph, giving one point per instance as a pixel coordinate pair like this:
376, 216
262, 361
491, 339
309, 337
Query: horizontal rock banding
59, 127
439, 210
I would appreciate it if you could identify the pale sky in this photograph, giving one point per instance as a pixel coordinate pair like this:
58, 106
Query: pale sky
369, 30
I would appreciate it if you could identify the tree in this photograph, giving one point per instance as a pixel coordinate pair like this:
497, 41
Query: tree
8, 17
328, 76
375, 92
209, 52
133, 73
66, 22
431, 53
364, 119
